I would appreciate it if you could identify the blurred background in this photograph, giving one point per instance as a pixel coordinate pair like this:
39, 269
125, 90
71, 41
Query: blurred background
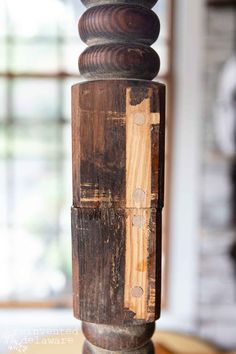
39, 49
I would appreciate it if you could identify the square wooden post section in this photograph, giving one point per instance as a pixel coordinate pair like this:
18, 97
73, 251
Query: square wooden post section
118, 131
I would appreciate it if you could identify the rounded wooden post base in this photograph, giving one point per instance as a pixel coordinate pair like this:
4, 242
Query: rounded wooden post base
104, 339
91, 349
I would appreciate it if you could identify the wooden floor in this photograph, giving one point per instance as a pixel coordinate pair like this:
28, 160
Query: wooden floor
165, 343
172, 343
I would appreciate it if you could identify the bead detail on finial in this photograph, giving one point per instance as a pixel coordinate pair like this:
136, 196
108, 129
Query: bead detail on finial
145, 3
118, 339
119, 36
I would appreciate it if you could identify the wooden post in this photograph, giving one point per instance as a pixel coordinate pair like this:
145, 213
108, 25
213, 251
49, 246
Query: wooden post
118, 134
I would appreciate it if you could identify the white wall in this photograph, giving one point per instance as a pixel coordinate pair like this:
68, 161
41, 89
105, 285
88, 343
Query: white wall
186, 182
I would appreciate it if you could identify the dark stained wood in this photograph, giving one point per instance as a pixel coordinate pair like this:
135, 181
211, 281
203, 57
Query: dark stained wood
145, 3
119, 61
129, 24
98, 261
99, 111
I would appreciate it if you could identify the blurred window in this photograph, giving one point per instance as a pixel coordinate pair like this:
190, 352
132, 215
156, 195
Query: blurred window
39, 48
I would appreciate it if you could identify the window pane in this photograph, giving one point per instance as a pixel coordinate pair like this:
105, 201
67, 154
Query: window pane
67, 96
37, 245
44, 57
45, 18
35, 249
36, 196
161, 46
162, 49
3, 133
3, 99
30, 266
35, 141
35, 144
41, 19
72, 50
3, 27
68, 26
3, 193
2, 56
35, 99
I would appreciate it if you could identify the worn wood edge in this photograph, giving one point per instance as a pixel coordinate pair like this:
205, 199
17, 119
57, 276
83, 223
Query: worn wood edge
128, 80
118, 338
91, 349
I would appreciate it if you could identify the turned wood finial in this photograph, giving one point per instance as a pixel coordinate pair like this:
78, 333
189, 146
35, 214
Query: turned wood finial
119, 34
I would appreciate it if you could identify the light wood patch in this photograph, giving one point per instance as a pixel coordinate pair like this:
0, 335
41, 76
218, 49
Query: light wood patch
139, 121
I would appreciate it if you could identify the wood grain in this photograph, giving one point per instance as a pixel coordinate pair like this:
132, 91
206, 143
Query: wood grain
118, 338
99, 141
118, 176
118, 128
119, 38
145, 3
139, 124
140, 225
119, 23
119, 61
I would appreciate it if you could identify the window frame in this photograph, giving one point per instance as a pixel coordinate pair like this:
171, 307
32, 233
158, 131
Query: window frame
66, 302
